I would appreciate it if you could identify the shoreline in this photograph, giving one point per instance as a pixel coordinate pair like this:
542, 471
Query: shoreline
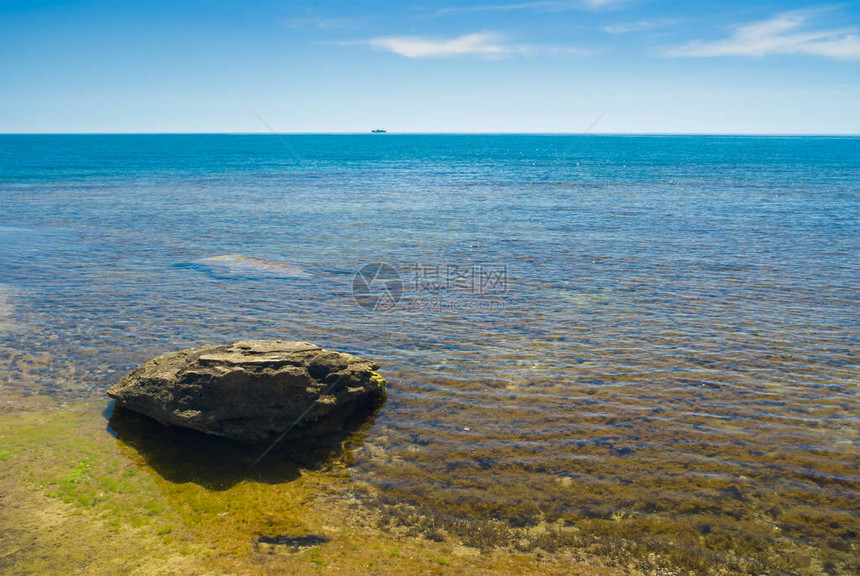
65, 477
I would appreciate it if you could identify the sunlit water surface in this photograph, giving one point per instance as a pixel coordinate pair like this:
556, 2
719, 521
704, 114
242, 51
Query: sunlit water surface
653, 330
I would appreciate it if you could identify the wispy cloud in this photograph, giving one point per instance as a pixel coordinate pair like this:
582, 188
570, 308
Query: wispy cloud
640, 26
786, 33
548, 6
538, 6
479, 43
319, 23
483, 44
604, 4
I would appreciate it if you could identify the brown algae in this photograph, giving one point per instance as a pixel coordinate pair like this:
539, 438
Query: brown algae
76, 500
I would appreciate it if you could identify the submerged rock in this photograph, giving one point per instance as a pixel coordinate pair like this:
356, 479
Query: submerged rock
252, 390
239, 266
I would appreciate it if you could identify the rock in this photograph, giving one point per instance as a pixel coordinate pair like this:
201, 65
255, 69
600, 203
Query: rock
252, 390
239, 266
270, 545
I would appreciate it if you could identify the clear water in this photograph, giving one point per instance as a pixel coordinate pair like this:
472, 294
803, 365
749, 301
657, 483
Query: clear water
661, 329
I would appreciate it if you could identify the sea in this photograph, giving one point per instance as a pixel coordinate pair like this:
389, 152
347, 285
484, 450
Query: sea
651, 338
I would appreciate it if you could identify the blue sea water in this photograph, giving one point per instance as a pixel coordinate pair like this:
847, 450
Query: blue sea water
563, 310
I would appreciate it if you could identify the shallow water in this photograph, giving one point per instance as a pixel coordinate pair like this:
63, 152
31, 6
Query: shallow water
649, 337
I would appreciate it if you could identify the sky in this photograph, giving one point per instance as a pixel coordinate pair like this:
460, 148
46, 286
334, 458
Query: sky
512, 66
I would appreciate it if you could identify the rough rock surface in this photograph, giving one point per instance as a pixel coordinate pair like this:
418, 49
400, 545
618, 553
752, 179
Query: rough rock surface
251, 390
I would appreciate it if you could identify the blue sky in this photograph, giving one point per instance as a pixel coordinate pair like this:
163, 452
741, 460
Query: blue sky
441, 66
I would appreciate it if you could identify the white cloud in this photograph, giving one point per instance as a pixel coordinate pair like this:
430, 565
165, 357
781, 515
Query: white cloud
603, 4
786, 33
314, 23
538, 6
641, 26
486, 44
555, 50
479, 43
548, 5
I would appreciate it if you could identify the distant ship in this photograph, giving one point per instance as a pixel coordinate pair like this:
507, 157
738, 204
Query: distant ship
378, 131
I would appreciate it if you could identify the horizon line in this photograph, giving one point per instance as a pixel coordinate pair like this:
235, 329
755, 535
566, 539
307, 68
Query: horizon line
388, 133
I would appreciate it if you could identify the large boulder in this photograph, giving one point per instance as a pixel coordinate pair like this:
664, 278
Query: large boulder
252, 390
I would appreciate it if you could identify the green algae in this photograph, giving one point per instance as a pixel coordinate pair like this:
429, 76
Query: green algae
74, 499
376, 378
68, 504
